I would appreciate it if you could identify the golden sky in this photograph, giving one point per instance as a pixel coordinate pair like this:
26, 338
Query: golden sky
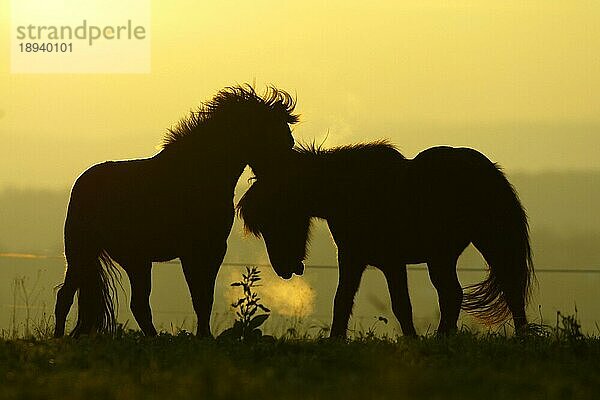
519, 80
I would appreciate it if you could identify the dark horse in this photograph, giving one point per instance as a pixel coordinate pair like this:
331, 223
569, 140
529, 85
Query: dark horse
388, 211
178, 203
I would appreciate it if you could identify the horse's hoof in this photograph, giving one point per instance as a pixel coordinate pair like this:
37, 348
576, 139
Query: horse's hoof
337, 338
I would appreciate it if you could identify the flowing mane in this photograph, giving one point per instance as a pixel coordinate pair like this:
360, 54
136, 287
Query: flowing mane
373, 149
250, 209
240, 100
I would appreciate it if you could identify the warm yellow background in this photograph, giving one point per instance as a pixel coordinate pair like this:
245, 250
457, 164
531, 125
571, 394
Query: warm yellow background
520, 80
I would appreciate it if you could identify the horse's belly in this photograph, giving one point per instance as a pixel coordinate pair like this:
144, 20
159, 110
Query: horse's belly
407, 251
408, 244
141, 246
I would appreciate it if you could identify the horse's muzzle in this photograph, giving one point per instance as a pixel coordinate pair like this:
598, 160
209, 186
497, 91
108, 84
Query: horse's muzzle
299, 268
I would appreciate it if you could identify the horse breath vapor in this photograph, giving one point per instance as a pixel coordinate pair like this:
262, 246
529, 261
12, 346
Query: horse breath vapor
289, 298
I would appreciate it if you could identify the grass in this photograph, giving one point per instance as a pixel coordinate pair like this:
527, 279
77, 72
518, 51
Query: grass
558, 362
464, 366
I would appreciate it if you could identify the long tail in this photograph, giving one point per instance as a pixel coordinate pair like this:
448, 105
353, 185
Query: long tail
90, 271
96, 279
503, 239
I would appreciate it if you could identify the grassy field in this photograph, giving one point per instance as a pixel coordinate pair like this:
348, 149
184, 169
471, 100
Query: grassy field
463, 366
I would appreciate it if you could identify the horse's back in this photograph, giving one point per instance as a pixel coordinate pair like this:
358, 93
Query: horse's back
151, 185
451, 157
454, 189
449, 168
108, 182
148, 206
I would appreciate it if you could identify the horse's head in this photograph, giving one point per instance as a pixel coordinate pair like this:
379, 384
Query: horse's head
259, 124
271, 210
265, 129
252, 128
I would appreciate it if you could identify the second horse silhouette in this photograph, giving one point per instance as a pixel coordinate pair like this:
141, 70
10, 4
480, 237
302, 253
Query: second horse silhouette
388, 211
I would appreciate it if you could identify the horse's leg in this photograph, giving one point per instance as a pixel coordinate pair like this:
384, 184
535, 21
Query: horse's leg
398, 288
498, 260
78, 254
200, 272
350, 272
64, 301
516, 304
140, 279
442, 273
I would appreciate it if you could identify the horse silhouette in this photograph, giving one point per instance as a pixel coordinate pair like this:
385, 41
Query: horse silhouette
178, 203
388, 211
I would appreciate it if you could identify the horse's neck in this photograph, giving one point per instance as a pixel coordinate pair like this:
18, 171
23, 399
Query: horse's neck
319, 191
210, 160
320, 209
